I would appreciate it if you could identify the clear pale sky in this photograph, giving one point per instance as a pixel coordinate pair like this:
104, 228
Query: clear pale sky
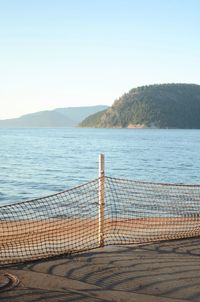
61, 53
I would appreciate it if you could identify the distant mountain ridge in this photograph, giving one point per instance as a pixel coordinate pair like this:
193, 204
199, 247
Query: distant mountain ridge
59, 117
78, 114
153, 106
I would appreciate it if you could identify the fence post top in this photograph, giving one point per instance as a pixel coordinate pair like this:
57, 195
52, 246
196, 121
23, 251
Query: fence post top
101, 165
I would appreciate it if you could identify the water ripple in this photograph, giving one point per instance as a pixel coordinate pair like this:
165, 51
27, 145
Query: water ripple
38, 162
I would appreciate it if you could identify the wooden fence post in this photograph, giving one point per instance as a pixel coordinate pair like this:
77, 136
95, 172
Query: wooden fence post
101, 199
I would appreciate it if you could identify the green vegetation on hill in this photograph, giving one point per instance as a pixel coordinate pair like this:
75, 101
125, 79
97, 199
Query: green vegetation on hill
92, 120
60, 117
78, 114
160, 106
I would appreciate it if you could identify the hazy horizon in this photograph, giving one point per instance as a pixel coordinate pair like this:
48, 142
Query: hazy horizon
87, 53
27, 113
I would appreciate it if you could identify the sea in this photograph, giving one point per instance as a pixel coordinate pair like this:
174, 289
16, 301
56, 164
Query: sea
42, 161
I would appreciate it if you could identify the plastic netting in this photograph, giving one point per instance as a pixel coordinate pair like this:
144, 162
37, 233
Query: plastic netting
67, 222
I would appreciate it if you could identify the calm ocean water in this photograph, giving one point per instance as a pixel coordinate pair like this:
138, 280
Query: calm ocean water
38, 162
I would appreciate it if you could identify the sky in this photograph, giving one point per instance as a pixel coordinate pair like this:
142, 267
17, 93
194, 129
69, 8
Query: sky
62, 53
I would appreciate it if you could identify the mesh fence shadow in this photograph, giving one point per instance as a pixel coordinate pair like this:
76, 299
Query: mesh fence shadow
67, 222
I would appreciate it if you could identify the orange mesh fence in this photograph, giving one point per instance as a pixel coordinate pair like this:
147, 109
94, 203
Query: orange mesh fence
67, 222
62, 223
140, 212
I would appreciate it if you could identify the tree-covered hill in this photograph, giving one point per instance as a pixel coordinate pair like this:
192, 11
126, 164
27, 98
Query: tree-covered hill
92, 120
160, 106
60, 117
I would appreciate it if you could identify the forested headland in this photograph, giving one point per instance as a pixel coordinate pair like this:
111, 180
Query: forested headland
153, 106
